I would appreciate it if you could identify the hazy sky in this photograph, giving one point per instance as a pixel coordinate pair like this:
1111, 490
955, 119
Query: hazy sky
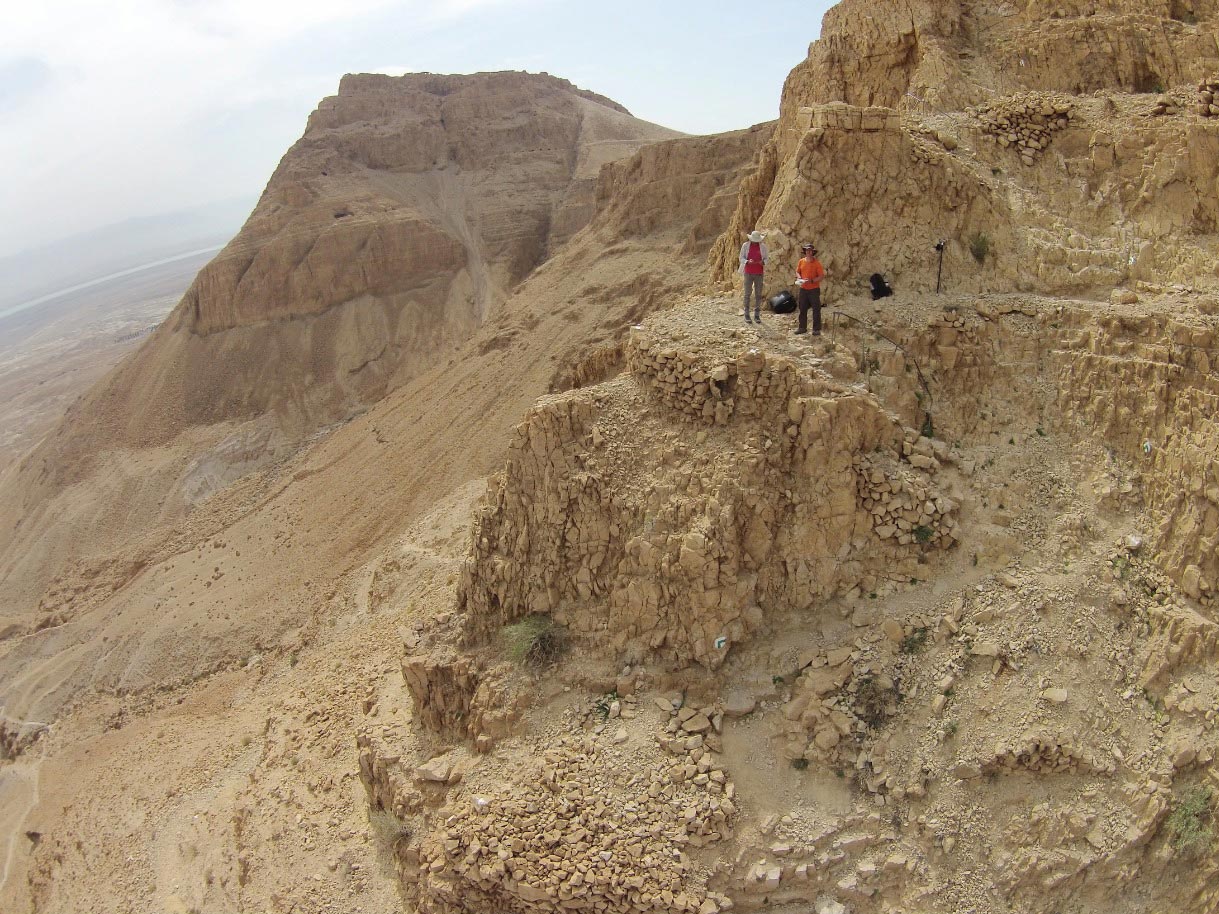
123, 108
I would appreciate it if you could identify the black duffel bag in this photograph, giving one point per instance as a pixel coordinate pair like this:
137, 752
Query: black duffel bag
783, 303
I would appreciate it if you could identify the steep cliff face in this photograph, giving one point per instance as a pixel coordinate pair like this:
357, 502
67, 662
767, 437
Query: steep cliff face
1029, 140
953, 54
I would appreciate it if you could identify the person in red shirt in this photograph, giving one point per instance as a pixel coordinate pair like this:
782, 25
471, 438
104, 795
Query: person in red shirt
753, 265
809, 275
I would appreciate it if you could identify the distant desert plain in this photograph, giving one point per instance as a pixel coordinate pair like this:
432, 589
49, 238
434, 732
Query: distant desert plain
53, 351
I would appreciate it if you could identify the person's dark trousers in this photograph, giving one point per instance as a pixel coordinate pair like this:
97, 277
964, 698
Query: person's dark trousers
809, 298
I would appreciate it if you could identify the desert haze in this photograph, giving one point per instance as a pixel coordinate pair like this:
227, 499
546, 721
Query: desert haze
453, 545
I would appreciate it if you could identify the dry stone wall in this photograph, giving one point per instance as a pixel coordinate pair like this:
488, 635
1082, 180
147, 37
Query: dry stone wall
1047, 754
1025, 123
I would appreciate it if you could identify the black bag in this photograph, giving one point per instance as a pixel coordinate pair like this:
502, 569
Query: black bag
783, 303
880, 288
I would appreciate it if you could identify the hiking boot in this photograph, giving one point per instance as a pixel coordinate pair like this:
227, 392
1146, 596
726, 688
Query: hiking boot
747, 320
801, 331
757, 317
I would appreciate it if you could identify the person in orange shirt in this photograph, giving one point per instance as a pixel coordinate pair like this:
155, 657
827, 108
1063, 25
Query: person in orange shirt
809, 275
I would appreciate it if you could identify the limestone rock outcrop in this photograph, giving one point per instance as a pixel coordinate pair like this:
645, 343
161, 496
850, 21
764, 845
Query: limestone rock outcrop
767, 506
906, 126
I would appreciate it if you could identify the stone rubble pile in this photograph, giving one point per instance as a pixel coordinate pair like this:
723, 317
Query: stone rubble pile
1166, 106
1047, 754
825, 719
1025, 123
904, 506
1208, 97
584, 834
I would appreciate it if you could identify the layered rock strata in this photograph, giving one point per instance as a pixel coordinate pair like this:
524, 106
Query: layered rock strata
970, 114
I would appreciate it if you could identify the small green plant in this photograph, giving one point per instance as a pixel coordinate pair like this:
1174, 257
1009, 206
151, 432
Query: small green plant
923, 534
872, 595
950, 728
1011, 440
1040, 432
928, 429
979, 246
534, 641
602, 705
915, 641
777, 680
1190, 822
800, 764
292, 659
996, 171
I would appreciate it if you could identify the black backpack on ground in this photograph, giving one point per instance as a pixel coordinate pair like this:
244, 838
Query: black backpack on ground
783, 303
880, 288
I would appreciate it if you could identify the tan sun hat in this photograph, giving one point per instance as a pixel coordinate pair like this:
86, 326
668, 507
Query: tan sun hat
756, 236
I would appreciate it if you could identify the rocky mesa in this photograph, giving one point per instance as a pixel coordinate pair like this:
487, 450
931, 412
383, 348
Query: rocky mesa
614, 603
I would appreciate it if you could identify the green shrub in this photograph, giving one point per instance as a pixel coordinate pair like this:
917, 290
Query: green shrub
923, 534
979, 246
914, 642
601, 707
928, 429
536, 640
1190, 822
